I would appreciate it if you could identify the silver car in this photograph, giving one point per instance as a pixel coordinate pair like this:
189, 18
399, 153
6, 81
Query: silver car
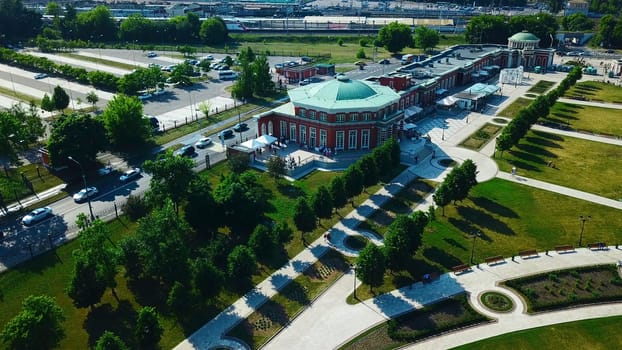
36, 215
85, 194
130, 175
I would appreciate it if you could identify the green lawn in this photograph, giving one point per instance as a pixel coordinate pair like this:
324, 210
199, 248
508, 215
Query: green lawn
512, 110
580, 164
601, 333
20, 96
101, 61
481, 137
13, 183
511, 217
541, 87
595, 91
588, 118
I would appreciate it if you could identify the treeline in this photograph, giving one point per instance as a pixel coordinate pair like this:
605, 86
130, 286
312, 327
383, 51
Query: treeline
457, 185
519, 126
496, 29
364, 173
100, 80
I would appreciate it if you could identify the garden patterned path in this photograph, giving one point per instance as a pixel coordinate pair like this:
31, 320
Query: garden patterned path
211, 334
330, 321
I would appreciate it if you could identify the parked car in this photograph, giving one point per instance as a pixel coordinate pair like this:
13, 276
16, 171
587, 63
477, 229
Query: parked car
384, 61
152, 54
207, 57
40, 76
145, 96
305, 82
105, 170
203, 142
240, 127
85, 194
185, 151
36, 216
225, 134
306, 59
130, 175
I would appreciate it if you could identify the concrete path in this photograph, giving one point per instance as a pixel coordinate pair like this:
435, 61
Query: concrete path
330, 321
83, 63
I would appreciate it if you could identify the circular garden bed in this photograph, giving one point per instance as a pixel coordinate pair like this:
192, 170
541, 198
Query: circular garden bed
496, 301
500, 120
446, 162
355, 242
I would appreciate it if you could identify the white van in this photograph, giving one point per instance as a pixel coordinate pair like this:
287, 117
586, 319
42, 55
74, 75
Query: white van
227, 75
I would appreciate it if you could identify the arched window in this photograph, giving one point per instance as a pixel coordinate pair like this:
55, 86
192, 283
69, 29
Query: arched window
270, 128
263, 128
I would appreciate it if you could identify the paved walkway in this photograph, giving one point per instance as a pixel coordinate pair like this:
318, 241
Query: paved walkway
329, 320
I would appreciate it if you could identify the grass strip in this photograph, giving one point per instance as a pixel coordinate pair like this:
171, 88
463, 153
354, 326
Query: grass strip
101, 61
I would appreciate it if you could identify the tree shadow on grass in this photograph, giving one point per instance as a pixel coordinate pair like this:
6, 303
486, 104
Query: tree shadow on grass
452, 242
289, 190
147, 291
548, 136
277, 258
418, 268
494, 207
296, 292
525, 160
120, 321
564, 115
484, 220
443, 258
542, 142
534, 151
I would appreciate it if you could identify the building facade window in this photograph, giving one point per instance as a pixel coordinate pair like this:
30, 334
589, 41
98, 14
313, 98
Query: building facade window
312, 136
365, 139
312, 114
322, 138
366, 116
353, 117
341, 118
283, 124
339, 140
292, 131
303, 134
270, 128
352, 139
323, 116
302, 113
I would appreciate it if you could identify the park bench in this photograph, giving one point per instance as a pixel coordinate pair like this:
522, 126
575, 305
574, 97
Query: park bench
494, 260
597, 246
430, 277
564, 249
529, 253
460, 268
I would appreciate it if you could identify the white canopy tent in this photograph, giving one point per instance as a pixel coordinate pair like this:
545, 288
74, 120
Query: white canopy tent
253, 144
447, 101
266, 139
410, 111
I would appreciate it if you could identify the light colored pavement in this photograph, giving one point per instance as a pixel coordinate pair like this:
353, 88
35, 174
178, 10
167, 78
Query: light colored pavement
329, 320
88, 65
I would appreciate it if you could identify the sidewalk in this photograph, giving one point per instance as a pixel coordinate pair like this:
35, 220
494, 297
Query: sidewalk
17, 206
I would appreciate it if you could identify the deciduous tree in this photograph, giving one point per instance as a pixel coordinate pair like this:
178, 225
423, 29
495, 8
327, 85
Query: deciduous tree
124, 122
77, 135
171, 177
370, 266
395, 37
148, 330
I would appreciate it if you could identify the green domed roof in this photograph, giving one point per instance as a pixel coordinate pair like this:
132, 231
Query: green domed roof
524, 36
343, 89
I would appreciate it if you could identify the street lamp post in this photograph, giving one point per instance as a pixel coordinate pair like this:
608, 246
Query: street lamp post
354, 269
583, 219
473, 247
88, 198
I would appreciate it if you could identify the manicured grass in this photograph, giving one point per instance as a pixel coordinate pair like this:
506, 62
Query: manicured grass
576, 163
13, 183
541, 86
444, 316
601, 333
497, 301
595, 91
481, 137
604, 121
512, 110
20, 96
266, 321
101, 61
510, 217
561, 289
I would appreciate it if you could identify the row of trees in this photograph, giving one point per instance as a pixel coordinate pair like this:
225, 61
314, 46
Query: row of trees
99, 25
101, 80
401, 242
254, 77
19, 128
395, 36
609, 33
364, 173
520, 125
496, 29
457, 184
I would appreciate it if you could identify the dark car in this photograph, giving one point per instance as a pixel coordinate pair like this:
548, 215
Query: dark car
186, 151
385, 61
225, 134
240, 127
